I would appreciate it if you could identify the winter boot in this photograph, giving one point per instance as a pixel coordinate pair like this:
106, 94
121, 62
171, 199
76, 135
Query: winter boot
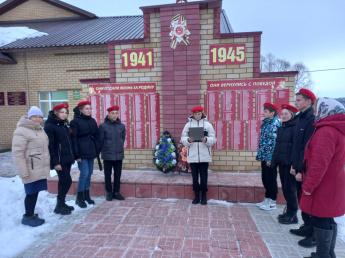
308, 242
203, 198
304, 231
109, 196
60, 208
334, 239
87, 197
32, 221
197, 198
283, 214
71, 208
80, 201
323, 243
262, 203
118, 196
289, 218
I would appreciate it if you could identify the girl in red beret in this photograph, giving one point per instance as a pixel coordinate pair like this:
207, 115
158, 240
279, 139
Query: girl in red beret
86, 146
61, 153
282, 158
267, 141
323, 191
199, 152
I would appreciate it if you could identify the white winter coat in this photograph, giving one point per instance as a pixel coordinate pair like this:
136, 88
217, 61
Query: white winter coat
198, 151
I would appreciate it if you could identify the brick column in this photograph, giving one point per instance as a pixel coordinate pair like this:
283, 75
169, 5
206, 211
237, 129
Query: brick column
180, 69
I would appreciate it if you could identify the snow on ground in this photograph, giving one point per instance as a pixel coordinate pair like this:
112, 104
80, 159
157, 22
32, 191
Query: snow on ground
14, 236
11, 34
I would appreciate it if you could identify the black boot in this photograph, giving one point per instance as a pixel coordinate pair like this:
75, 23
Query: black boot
60, 208
308, 242
304, 230
80, 200
118, 196
87, 197
203, 198
334, 239
71, 208
109, 196
283, 214
289, 218
197, 198
32, 221
323, 243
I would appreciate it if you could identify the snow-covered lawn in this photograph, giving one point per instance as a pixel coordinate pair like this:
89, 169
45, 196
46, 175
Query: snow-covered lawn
15, 237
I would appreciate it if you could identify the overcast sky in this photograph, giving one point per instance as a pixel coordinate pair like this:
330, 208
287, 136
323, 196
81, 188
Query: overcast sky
308, 31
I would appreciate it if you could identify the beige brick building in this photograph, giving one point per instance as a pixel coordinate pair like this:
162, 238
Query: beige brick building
82, 50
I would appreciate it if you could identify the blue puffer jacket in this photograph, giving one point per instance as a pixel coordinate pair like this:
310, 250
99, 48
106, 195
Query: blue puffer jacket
267, 140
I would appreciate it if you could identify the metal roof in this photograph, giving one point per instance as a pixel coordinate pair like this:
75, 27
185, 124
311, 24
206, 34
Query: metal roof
85, 31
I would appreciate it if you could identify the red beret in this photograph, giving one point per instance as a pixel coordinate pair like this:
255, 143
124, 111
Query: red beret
82, 103
63, 105
197, 109
308, 93
289, 107
113, 108
267, 104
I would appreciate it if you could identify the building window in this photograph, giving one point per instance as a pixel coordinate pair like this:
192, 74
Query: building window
49, 99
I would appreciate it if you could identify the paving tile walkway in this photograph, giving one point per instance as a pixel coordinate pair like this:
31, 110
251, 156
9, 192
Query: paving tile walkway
139, 227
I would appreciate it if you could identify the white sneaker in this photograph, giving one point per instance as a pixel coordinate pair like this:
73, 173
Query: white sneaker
270, 205
262, 203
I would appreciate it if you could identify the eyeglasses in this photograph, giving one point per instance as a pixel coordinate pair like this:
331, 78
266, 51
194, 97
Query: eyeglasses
37, 117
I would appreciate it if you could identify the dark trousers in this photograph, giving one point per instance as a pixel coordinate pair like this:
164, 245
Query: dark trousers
65, 181
108, 166
203, 168
289, 187
305, 217
269, 180
323, 223
30, 203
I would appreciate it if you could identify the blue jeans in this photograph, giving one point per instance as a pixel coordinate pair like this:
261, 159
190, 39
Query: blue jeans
86, 170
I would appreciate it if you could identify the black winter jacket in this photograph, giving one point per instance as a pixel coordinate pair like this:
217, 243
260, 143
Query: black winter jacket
282, 151
60, 141
85, 136
303, 131
113, 135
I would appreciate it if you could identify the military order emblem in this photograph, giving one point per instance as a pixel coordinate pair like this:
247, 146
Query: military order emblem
179, 31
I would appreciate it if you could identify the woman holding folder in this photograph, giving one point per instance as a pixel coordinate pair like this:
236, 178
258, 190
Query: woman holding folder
199, 137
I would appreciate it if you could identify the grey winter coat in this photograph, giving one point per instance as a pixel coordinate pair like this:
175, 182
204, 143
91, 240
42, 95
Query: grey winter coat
113, 135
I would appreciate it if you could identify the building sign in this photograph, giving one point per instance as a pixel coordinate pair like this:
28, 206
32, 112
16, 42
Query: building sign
95, 103
138, 121
122, 88
153, 120
245, 105
236, 135
122, 101
137, 59
107, 102
76, 95
261, 97
281, 97
252, 134
179, 31
212, 106
249, 84
221, 135
228, 54
228, 105
16, 98
2, 99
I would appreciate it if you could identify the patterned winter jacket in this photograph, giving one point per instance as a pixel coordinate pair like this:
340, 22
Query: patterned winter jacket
267, 139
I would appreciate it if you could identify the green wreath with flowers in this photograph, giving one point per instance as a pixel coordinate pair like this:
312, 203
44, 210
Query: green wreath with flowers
165, 153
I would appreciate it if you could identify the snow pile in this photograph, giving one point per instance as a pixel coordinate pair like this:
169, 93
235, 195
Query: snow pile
14, 236
11, 34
